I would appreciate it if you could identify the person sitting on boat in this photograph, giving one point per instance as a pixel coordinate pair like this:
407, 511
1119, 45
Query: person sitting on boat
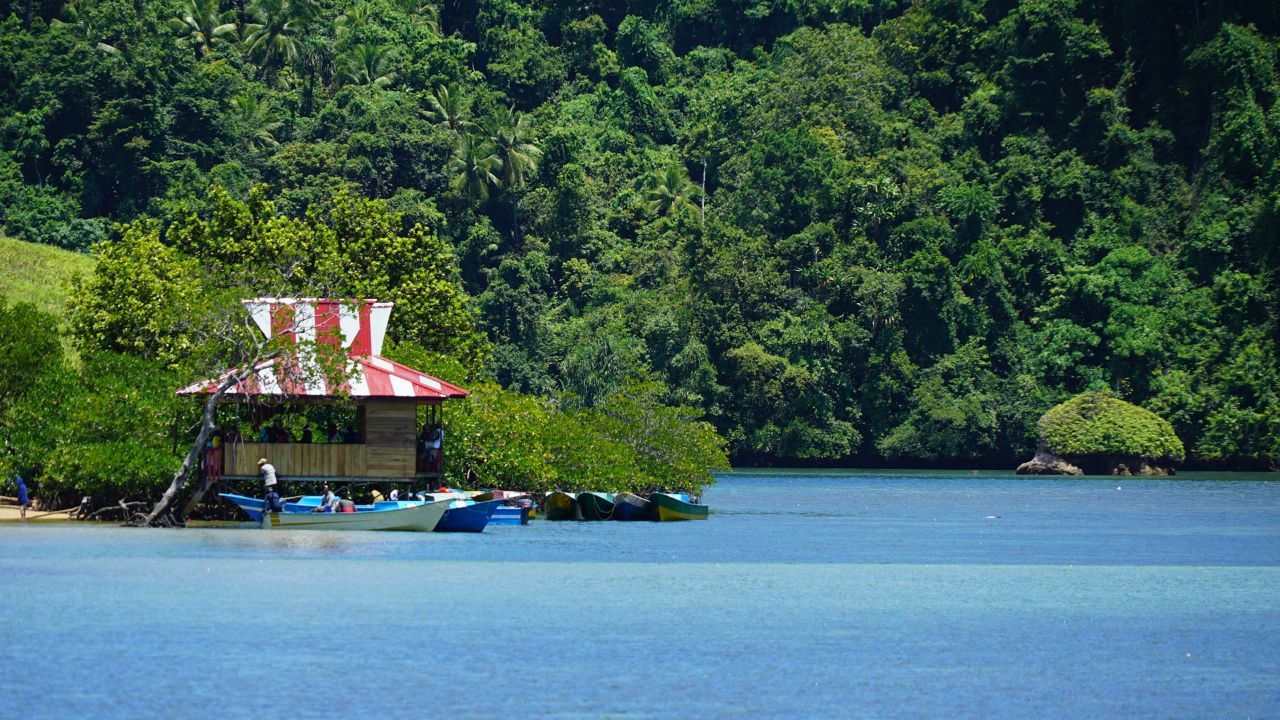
395, 494
345, 506
273, 500
328, 501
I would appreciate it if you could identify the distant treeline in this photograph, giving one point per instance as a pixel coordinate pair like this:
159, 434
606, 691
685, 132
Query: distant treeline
847, 232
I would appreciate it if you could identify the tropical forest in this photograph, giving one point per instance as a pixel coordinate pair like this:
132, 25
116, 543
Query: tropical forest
654, 238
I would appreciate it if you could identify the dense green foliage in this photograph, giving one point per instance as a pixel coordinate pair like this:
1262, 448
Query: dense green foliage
632, 442
879, 230
106, 427
1097, 423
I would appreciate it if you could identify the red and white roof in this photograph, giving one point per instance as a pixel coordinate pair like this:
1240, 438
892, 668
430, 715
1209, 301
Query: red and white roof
358, 327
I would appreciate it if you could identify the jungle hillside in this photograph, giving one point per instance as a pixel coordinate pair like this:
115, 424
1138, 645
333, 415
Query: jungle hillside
848, 232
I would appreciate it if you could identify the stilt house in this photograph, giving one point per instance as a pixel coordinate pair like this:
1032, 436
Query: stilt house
385, 446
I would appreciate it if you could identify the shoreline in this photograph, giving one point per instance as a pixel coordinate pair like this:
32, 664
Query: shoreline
11, 513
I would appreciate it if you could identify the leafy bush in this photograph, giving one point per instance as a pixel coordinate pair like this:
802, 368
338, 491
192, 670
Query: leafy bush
1097, 423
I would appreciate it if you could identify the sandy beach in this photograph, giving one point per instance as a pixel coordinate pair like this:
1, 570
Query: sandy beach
11, 513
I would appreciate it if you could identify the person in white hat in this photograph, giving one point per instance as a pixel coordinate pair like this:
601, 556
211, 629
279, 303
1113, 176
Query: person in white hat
268, 473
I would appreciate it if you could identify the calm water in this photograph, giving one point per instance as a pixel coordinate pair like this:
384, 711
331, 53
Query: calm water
806, 595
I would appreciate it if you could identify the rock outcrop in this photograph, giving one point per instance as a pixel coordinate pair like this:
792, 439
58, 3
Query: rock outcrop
1046, 463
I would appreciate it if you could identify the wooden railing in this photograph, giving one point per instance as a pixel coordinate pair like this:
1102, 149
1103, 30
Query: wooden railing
334, 460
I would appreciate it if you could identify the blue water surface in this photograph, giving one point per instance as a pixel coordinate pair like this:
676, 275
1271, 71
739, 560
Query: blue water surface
807, 594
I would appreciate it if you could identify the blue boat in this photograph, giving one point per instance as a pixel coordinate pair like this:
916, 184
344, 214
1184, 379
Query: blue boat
467, 516
510, 515
633, 507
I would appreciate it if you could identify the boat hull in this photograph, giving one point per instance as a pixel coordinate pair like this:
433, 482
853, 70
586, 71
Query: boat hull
510, 515
560, 506
632, 507
672, 509
468, 518
250, 506
416, 518
596, 506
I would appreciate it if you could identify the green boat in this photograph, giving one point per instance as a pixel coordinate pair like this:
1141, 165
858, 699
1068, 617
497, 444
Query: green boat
596, 506
560, 506
676, 506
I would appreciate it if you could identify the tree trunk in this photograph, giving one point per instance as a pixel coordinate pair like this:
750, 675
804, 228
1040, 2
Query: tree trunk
206, 426
195, 499
704, 191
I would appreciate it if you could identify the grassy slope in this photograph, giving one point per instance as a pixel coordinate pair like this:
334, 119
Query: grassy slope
41, 275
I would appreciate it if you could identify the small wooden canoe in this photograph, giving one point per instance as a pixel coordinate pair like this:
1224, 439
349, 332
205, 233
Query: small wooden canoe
632, 507
596, 506
560, 506
671, 507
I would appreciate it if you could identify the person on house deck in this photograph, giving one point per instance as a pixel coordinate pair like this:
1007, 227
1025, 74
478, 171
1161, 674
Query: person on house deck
432, 444
213, 456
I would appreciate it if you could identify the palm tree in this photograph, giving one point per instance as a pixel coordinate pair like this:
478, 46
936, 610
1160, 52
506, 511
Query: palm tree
317, 65
666, 189
201, 21
368, 64
72, 15
472, 166
272, 38
509, 132
355, 16
447, 107
422, 13
255, 122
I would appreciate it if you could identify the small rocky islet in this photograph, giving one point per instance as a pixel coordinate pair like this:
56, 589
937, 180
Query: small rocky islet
1097, 433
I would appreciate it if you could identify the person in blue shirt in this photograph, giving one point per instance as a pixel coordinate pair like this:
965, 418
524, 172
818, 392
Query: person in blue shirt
23, 498
273, 501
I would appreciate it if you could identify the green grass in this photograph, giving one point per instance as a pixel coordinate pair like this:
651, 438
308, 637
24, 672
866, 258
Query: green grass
41, 275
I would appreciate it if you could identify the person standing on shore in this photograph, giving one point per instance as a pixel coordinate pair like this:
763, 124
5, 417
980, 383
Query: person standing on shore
23, 498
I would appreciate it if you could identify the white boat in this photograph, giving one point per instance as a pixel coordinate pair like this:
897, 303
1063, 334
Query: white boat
420, 517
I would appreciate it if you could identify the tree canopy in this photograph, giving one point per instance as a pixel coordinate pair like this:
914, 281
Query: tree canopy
1097, 423
882, 231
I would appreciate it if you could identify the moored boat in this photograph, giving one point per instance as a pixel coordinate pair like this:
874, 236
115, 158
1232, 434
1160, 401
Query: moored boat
676, 506
632, 507
560, 506
392, 515
596, 506
510, 515
467, 516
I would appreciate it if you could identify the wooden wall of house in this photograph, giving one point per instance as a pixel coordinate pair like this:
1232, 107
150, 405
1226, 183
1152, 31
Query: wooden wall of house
296, 459
390, 437
390, 450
